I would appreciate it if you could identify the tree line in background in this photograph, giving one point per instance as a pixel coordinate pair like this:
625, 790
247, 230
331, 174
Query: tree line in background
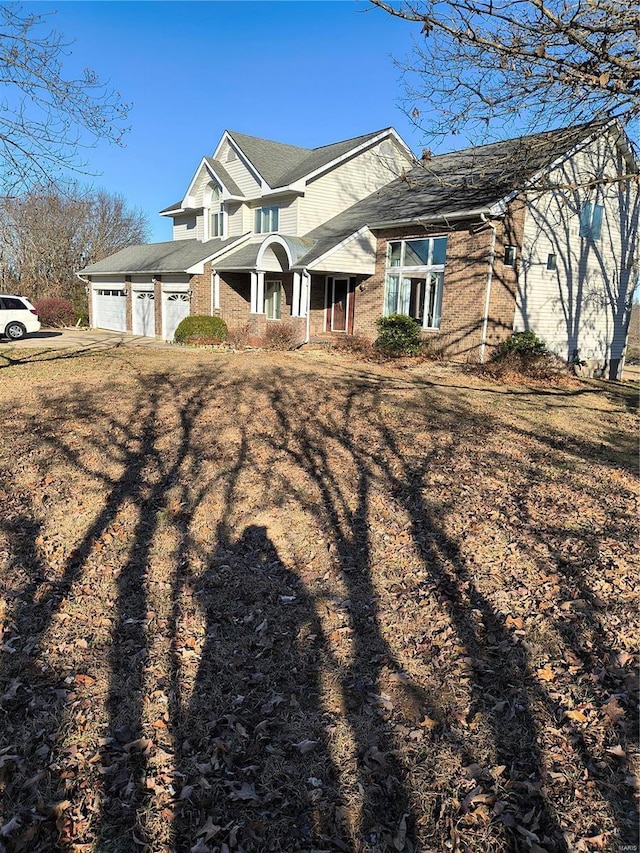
47, 234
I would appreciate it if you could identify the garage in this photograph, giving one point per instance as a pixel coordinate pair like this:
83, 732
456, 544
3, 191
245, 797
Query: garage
110, 308
143, 313
176, 302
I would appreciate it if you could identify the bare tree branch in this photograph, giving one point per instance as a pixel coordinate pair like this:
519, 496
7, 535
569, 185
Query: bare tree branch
481, 64
46, 118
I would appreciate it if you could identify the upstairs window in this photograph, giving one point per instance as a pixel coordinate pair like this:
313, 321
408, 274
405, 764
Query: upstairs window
415, 279
216, 223
215, 211
267, 219
591, 220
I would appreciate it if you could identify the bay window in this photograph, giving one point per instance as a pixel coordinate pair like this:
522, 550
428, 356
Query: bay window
415, 279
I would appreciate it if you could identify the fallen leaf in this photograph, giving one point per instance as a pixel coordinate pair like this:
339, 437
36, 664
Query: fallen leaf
546, 673
613, 710
578, 716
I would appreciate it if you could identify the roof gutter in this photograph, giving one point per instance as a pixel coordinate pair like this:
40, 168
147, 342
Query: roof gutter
476, 213
487, 299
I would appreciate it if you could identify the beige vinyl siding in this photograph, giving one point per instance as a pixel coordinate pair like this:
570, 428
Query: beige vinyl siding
338, 189
241, 175
184, 227
197, 190
200, 225
236, 215
288, 217
580, 306
357, 256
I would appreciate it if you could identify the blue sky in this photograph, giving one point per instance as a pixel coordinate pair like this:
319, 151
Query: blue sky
306, 73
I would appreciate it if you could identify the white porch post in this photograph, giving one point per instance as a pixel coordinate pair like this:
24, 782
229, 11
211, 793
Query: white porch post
295, 300
260, 293
306, 296
257, 293
305, 291
254, 292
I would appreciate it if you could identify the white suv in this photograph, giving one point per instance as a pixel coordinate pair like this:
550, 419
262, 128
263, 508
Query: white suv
18, 317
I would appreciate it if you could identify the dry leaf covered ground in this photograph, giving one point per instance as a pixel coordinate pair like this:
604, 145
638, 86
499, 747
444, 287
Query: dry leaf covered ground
256, 602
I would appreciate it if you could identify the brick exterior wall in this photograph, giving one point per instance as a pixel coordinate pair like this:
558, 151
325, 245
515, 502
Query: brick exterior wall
465, 287
463, 301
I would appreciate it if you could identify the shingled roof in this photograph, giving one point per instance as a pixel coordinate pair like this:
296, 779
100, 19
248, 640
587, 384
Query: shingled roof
451, 185
281, 165
173, 256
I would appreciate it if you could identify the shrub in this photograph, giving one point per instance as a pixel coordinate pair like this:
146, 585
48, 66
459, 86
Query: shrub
398, 335
354, 345
524, 354
201, 329
280, 336
55, 312
238, 337
527, 344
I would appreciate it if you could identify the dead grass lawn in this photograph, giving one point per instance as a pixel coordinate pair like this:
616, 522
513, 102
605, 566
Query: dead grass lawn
291, 602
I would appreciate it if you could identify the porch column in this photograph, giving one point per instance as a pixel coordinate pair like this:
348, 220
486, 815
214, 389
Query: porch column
260, 293
215, 291
295, 300
257, 293
305, 293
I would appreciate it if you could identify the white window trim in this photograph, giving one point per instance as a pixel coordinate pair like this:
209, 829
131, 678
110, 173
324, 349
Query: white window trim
258, 212
404, 270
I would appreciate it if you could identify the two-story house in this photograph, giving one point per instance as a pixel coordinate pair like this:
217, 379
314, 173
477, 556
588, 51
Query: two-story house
531, 233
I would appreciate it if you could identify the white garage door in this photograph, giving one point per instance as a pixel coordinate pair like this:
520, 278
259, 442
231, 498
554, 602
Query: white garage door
176, 307
110, 309
143, 313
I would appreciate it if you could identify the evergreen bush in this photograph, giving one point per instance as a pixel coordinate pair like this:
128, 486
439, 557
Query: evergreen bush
201, 329
398, 335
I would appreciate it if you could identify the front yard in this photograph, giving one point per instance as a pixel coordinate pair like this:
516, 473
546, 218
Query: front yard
256, 602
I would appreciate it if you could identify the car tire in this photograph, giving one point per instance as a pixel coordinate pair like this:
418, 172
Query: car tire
15, 331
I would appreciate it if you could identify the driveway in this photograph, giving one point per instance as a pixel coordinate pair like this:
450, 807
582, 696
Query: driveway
81, 339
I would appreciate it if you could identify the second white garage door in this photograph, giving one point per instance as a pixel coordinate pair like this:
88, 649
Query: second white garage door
143, 313
175, 307
110, 309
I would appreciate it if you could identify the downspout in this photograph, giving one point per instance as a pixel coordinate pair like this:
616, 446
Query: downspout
308, 324
487, 300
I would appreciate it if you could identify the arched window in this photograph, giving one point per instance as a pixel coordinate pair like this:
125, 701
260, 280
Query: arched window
214, 211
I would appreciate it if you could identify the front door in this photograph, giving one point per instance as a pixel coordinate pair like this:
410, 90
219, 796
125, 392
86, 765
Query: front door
340, 295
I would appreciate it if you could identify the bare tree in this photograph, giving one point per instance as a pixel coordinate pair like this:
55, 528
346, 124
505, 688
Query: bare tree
482, 64
46, 117
47, 234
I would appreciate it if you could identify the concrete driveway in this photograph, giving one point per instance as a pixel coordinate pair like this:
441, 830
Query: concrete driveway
80, 339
